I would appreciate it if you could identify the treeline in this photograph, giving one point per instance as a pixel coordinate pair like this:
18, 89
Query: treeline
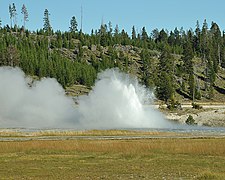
32, 54
49, 53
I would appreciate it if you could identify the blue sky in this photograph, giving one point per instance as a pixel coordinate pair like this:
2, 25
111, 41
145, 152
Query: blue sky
152, 14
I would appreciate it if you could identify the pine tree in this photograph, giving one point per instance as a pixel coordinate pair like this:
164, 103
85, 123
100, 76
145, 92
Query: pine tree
73, 25
155, 34
211, 77
197, 39
165, 84
162, 36
204, 44
177, 36
147, 69
124, 37
171, 39
116, 35
144, 35
10, 15
116, 30
223, 50
47, 27
165, 88
103, 35
14, 13
204, 40
134, 36
188, 55
216, 46
187, 58
25, 15
192, 86
59, 42
110, 28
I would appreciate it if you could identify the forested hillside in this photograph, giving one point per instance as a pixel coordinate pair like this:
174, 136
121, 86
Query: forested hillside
176, 65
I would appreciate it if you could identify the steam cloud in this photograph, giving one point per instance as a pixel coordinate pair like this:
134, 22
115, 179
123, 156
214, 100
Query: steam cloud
116, 101
41, 105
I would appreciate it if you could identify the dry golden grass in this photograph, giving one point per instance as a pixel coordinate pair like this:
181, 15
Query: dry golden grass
16, 133
172, 146
113, 159
93, 133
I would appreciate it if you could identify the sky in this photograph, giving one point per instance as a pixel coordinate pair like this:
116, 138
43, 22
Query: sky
151, 14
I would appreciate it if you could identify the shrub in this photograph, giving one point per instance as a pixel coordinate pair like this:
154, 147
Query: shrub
171, 105
190, 120
196, 106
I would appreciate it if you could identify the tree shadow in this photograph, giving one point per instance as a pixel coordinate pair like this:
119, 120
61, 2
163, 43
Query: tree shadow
182, 93
219, 89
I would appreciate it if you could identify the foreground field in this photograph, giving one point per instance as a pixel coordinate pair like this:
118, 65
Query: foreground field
113, 159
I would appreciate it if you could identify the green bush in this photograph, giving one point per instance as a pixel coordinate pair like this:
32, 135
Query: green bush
190, 120
171, 105
196, 106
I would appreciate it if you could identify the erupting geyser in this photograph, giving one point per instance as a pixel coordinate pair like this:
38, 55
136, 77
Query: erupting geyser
116, 101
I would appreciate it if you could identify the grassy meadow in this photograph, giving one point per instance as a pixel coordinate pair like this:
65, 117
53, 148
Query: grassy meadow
113, 159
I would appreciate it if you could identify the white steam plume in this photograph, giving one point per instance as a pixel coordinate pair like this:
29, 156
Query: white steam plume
42, 105
116, 101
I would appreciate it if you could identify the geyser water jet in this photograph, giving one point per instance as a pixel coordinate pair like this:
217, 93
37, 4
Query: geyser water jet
116, 101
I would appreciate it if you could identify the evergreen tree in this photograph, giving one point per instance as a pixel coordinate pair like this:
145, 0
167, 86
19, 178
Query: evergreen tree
197, 39
144, 35
204, 40
147, 69
155, 34
134, 36
47, 27
210, 78
165, 85
163, 37
116, 35
10, 15
188, 55
216, 46
73, 25
187, 58
116, 30
25, 15
177, 36
14, 14
192, 87
103, 35
205, 51
124, 37
110, 28
171, 39
223, 50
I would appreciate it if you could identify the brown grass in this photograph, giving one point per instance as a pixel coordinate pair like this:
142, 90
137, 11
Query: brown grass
172, 146
16, 133
113, 159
